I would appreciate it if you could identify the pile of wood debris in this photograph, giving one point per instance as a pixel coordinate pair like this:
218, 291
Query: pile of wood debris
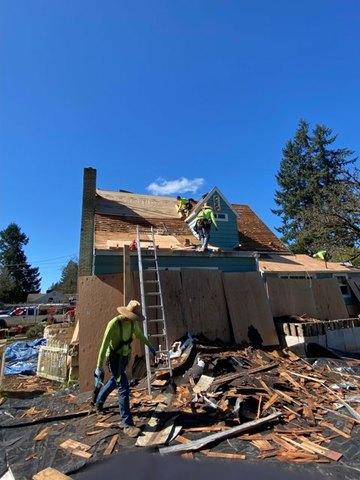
274, 400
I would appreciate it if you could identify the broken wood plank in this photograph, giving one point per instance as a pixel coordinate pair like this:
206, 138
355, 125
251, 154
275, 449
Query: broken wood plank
111, 445
332, 427
50, 474
42, 434
263, 445
233, 376
81, 453
188, 455
182, 439
74, 445
312, 379
227, 456
203, 384
94, 432
215, 437
313, 448
210, 428
273, 399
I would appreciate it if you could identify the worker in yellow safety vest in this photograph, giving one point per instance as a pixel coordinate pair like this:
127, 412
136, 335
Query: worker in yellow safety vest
204, 220
183, 206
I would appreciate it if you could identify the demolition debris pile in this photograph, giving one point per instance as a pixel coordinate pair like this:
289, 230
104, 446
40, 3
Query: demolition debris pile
222, 402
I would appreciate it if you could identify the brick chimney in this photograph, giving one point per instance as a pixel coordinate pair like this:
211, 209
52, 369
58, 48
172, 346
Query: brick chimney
87, 222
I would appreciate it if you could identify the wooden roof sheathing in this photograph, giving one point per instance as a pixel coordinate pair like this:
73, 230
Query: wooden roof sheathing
119, 213
300, 264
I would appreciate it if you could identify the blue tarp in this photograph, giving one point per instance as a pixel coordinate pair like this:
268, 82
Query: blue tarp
21, 357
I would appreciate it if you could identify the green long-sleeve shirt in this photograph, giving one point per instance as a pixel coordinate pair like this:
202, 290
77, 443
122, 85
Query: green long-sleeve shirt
208, 214
119, 330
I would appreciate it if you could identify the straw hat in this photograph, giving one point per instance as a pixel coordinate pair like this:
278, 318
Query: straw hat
129, 312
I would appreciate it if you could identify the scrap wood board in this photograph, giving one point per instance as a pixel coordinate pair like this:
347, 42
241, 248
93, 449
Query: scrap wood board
248, 306
204, 303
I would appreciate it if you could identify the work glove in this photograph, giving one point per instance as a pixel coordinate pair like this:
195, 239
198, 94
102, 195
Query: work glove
152, 350
98, 376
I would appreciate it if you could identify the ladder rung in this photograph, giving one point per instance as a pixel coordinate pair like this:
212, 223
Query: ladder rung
154, 306
147, 259
155, 335
156, 320
151, 281
162, 368
152, 294
150, 269
162, 351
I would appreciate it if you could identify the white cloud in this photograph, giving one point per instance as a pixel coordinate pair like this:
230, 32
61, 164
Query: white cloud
179, 185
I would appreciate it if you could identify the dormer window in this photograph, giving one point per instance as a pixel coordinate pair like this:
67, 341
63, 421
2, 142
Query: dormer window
221, 217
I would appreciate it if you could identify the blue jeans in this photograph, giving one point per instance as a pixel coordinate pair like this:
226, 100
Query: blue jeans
204, 234
117, 365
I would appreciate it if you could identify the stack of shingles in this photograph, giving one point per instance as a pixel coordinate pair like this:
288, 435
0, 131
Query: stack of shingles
279, 382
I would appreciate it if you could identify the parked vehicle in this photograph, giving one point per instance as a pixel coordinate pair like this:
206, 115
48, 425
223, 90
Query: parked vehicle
33, 314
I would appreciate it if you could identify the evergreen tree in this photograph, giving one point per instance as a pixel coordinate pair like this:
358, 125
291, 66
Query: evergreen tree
310, 169
19, 277
68, 280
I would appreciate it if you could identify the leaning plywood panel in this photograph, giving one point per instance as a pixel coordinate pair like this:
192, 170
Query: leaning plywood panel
291, 297
329, 302
355, 287
204, 303
98, 297
249, 307
173, 303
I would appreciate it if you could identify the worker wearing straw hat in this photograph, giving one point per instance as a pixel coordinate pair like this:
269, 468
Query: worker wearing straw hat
116, 347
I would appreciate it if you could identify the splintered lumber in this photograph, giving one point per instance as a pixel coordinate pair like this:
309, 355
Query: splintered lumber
233, 376
313, 448
111, 445
263, 445
42, 434
188, 456
208, 428
94, 432
332, 427
227, 456
215, 437
50, 474
273, 399
203, 384
76, 448
352, 412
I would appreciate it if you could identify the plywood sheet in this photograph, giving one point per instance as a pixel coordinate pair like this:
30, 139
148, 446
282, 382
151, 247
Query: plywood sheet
329, 302
317, 298
173, 302
98, 297
249, 306
291, 297
204, 303
355, 287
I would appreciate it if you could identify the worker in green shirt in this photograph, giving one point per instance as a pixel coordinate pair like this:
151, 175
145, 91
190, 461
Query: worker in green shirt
183, 206
204, 220
116, 347
322, 255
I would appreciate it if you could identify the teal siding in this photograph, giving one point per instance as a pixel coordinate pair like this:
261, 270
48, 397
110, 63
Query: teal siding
114, 263
227, 236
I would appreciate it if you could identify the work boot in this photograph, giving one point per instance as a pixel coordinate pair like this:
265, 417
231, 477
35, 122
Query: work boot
99, 407
132, 432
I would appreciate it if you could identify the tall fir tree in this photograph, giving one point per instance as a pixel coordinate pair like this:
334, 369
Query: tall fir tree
311, 167
18, 276
68, 280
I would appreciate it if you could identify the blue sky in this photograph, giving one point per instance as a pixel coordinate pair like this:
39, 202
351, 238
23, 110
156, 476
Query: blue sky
143, 90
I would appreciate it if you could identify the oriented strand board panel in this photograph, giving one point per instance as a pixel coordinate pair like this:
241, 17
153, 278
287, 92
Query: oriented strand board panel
173, 301
98, 298
329, 302
249, 306
291, 297
204, 303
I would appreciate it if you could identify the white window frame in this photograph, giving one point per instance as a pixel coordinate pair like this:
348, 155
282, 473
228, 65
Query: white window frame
225, 219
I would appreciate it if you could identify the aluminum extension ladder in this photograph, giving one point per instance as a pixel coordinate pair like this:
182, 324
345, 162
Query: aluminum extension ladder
151, 289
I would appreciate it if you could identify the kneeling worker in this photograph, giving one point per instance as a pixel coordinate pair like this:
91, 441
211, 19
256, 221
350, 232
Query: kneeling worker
183, 206
116, 346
